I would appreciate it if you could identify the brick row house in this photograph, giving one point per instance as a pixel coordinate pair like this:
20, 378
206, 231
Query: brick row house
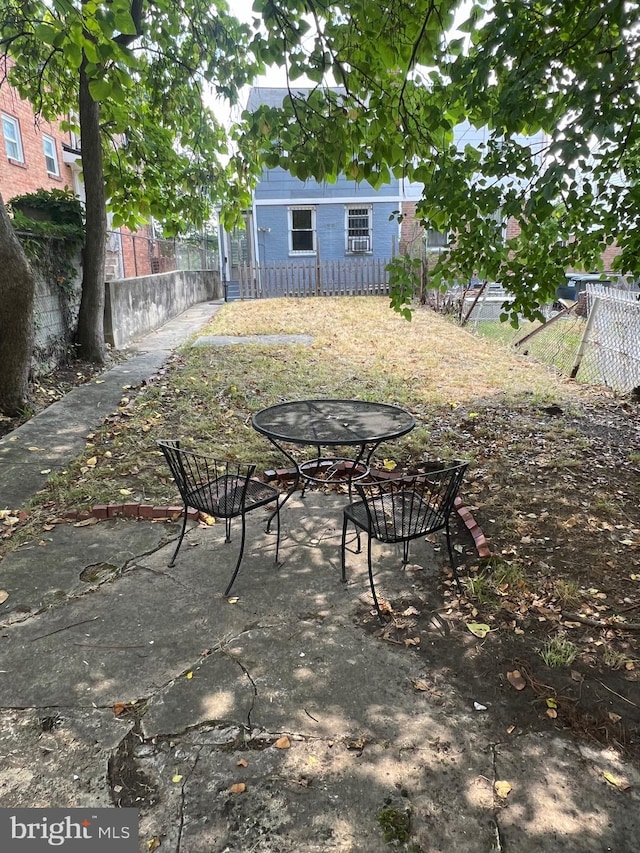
37, 154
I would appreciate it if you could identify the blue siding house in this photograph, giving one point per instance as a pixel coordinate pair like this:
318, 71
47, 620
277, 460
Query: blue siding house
315, 225
307, 237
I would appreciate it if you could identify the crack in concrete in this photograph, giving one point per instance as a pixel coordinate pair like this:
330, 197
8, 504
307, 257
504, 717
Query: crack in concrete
183, 799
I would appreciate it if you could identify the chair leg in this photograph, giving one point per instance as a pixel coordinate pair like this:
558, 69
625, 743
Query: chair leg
343, 548
235, 571
405, 552
184, 527
371, 583
227, 528
277, 530
452, 559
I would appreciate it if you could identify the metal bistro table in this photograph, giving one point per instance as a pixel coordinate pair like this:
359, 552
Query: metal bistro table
332, 423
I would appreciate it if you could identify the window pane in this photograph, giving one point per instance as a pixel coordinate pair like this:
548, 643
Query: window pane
12, 138
358, 221
302, 241
301, 219
50, 155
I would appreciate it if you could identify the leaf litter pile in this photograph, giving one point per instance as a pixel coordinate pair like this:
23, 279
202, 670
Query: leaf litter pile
546, 634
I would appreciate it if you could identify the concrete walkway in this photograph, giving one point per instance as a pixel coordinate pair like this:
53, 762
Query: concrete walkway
50, 440
283, 720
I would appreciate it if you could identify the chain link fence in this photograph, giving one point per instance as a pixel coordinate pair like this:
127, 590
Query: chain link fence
595, 340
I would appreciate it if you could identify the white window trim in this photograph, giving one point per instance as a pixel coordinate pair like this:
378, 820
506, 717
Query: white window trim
348, 245
53, 156
305, 252
17, 141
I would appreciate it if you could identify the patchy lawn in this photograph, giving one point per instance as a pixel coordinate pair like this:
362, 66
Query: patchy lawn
553, 482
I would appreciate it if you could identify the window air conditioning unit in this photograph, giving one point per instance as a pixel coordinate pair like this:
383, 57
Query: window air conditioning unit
358, 244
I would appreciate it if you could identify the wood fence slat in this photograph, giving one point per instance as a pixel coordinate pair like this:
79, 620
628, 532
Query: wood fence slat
366, 276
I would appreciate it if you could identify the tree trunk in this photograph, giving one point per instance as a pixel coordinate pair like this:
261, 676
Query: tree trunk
17, 286
90, 333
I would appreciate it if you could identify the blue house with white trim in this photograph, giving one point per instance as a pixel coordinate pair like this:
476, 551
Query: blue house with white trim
310, 236
310, 223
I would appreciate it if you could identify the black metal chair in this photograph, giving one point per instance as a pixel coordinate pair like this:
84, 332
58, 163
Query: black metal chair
219, 488
404, 508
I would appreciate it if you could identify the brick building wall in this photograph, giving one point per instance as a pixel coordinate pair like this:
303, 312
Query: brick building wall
17, 178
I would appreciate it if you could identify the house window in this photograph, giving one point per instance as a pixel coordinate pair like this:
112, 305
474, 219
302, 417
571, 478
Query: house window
12, 141
436, 240
302, 227
50, 155
358, 229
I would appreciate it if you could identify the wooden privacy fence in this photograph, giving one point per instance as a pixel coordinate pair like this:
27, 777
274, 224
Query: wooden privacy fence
364, 277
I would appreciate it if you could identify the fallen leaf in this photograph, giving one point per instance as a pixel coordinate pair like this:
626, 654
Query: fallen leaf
177, 778
511, 730
478, 629
502, 789
86, 523
91, 462
233, 600
189, 675
411, 611
207, 519
33, 449
617, 783
3, 595
238, 788
551, 712
242, 763
46, 471
125, 491
152, 843
551, 703
118, 708
479, 707
419, 684
412, 641
389, 465
516, 680
283, 743
615, 718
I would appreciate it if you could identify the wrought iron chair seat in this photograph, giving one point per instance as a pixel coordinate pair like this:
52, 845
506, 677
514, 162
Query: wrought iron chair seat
224, 496
402, 509
395, 517
219, 488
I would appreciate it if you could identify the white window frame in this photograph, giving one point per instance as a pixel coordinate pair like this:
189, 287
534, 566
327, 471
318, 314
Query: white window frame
360, 243
299, 252
12, 138
51, 155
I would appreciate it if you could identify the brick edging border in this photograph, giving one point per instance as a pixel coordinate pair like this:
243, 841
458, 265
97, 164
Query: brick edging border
103, 512
480, 540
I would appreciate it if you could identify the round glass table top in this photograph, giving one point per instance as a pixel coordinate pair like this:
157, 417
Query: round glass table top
333, 422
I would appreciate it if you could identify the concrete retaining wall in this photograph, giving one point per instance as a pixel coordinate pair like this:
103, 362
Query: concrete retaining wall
136, 306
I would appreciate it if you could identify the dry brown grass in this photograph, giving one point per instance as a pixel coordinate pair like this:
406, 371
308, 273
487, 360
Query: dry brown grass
443, 362
360, 349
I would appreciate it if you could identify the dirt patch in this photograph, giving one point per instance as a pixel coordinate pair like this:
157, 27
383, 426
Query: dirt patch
557, 492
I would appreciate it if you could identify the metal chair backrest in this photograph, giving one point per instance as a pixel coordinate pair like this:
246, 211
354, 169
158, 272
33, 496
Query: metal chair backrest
409, 506
218, 487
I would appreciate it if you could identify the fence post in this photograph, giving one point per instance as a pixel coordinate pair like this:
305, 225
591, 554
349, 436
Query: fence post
585, 337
